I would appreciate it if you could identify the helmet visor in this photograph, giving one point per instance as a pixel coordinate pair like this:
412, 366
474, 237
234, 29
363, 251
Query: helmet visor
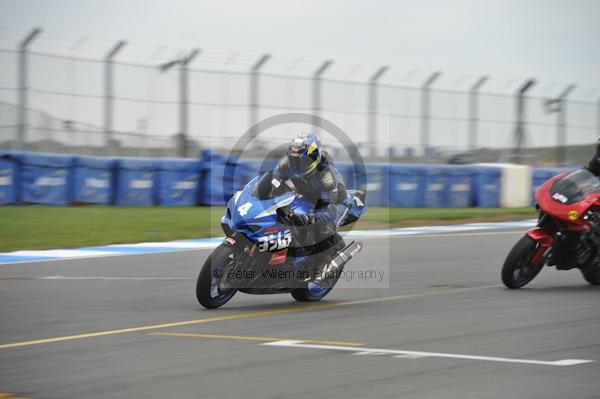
301, 163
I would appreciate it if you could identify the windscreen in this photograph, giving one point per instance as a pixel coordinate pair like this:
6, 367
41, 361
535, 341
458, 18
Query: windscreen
575, 187
268, 186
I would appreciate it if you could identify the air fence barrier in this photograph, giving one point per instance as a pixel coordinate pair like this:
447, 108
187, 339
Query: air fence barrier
405, 183
45, 179
135, 182
178, 181
93, 180
9, 169
485, 188
37, 178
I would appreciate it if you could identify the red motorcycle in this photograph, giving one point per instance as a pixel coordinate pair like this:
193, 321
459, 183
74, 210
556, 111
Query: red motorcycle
567, 234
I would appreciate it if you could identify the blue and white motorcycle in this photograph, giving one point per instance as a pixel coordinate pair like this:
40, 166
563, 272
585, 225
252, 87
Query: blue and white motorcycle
264, 253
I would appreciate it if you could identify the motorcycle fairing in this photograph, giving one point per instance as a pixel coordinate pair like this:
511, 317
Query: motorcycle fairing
571, 213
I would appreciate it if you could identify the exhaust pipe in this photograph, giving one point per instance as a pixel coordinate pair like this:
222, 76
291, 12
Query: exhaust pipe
336, 265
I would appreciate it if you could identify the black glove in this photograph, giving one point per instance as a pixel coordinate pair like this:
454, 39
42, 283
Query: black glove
594, 219
301, 220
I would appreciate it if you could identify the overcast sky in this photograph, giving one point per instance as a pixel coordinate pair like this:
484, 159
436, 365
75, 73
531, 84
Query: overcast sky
556, 41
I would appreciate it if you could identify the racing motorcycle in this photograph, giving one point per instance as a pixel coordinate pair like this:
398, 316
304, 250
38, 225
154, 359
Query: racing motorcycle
567, 234
264, 252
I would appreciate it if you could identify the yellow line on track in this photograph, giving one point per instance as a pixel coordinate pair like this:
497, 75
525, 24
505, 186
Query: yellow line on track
252, 338
243, 316
5, 395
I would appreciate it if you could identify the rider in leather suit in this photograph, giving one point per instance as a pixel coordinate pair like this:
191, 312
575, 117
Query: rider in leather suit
594, 167
594, 163
316, 178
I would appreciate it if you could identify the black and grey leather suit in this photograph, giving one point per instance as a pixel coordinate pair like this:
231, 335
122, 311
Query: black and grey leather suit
324, 188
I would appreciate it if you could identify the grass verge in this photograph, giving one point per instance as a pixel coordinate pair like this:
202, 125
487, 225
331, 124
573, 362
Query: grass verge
42, 227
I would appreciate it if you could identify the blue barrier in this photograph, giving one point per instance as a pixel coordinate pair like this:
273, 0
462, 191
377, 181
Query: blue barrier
9, 176
221, 179
93, 180
378, 184
406, 182
458, 187
485, 187
255, 167
349, 174
46, 179
178, 182
432, 193
540, 176
213, 182
60, 180
135, 182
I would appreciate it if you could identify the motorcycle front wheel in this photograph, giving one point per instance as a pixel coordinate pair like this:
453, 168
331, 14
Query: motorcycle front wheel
518, 270
208, 290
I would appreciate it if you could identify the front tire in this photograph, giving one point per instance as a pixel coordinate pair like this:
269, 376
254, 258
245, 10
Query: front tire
518, 270
208, 292
592, 277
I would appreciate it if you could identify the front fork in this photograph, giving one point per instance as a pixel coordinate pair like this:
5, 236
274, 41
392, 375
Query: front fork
544, 240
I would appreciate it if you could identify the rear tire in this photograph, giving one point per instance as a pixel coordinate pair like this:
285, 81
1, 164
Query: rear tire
517, 270
312, 294
316, 291
592, 277
207, 287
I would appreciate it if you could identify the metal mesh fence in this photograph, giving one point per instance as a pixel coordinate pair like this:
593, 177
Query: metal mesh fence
66, 102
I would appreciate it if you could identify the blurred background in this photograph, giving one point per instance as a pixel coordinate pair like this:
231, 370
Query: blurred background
408, 81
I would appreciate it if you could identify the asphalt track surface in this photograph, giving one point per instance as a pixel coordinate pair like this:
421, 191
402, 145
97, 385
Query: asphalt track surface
130, 327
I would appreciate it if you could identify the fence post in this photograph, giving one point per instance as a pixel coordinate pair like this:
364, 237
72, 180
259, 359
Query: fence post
109, 95
598, 116
474, 111
561, 125
254, 89
184, 102
520, 120
425, 109
22, 84
316, 91
183, 62
373, 105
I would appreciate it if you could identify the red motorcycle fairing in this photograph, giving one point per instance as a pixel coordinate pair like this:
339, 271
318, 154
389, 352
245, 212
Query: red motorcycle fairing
544, 240
571, 214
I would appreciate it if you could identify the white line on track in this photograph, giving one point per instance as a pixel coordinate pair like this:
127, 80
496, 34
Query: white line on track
185, 246
104, 255
112, 255
483, 233
401, 354
114, 278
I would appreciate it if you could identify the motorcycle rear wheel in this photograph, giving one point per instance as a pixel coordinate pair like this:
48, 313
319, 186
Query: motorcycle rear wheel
208, 289
518, 270
592, 277
315, 291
